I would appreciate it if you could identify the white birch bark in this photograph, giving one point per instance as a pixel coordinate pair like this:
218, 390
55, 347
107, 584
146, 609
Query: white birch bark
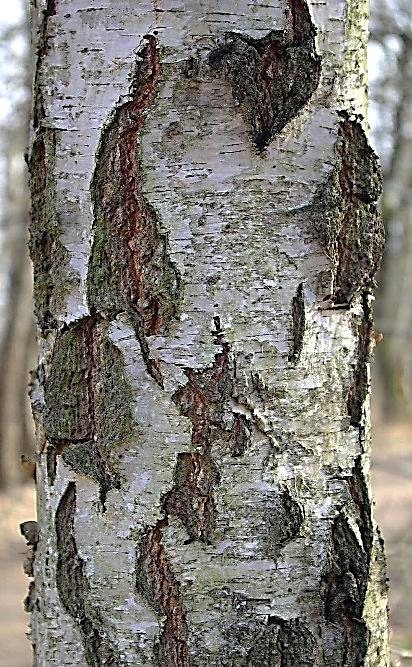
205, 242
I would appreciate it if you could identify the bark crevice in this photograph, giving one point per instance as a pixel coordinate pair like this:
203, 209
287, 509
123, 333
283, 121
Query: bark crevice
345, 578
72, 586
130, 268
360, 385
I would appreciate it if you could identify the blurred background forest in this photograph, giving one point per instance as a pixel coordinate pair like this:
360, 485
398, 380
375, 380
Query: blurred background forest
390, 117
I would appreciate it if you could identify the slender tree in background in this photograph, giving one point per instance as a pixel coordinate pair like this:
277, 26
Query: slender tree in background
205, 240
17, 331
391, 94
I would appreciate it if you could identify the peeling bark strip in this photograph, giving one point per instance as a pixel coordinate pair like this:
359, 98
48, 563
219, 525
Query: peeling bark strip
157, 583
344, 580
271, 78
360, 385
80, 422
129, 268
72, 585
345, 217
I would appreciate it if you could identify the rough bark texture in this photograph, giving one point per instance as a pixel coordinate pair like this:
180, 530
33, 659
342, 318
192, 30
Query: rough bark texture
204, 178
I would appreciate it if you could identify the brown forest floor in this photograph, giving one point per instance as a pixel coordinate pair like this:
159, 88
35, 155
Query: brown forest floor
392, 488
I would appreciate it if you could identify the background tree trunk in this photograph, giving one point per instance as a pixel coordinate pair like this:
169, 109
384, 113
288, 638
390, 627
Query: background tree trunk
204, 241
391, 92
17, 329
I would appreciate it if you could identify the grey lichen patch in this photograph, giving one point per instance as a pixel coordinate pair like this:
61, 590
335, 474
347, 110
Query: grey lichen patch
72, 586
52, 276
274, 77
359, 388
284, 520
344, 216
253, 643
298, 325
80, 422
343, 590
130, 268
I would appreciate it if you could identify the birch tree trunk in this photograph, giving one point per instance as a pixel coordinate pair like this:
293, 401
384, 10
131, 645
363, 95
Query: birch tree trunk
205, 240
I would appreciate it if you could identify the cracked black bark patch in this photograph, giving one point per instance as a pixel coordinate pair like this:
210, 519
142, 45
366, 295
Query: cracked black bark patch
80, 423
283, 644
360, 385
72, 586
344, 216
343, 589
298, 325
203, 399
284, 520
130, 268
271, 78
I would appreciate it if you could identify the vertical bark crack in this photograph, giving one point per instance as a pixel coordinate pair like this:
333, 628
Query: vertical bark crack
204, 399
157, 583
298, 325
72, 586
360, 385
271, 78
344, 580
130, 269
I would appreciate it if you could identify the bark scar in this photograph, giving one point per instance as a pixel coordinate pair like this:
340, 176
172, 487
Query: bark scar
344, 215
271, 78
79, 423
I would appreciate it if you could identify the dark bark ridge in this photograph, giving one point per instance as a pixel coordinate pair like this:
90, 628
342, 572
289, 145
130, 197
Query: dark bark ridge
298, 325
42, 49
72, 586
203, 400
344, 580
284, 521
360, 385
283, 644
80, 423
344, 215
271, 78
130, 268
156, 582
